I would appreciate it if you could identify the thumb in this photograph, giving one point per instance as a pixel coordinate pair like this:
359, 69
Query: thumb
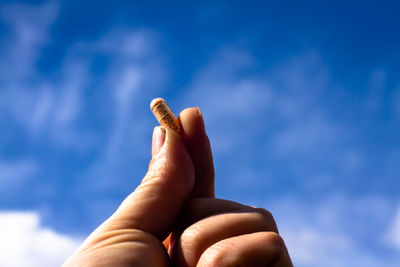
155, 204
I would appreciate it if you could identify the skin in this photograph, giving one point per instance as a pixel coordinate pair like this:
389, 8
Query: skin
174, 219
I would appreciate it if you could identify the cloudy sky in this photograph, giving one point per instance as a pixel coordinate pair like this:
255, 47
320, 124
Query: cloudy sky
301, 103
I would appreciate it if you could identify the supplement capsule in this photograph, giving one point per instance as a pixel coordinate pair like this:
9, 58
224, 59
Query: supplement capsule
164, 115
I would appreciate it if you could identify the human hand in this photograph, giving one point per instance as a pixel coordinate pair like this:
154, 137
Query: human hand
177, 195
216, 232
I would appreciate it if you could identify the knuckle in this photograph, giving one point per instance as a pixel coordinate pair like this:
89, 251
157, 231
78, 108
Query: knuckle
216, 256
188, 247
155, 172
190, 237
266, 214
168, 177
275, 241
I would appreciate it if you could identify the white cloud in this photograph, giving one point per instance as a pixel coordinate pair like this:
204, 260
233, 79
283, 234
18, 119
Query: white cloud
125, 93
70, 97
45, 111
25, 242
227, 87
337, 230
223, 88
308, 247
238, 105
393, 234
311, 247
29, 33
281, 107
229, 98
56, 108
42, 110
134, 76
44, 106
305, 136
50, 107
132, 44
29, 99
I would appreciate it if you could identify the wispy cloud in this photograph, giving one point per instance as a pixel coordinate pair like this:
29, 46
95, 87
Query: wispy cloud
134, 77
30, 27
27, 243
305, 137
26, 98
275, 124
337, 231
393, 234
278, 113
53, 107
273, 128
15, 174
74, 109
228, 91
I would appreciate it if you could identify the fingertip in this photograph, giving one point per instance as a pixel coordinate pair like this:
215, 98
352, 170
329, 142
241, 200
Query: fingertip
201, 119
174, 155
192, 122
158, 140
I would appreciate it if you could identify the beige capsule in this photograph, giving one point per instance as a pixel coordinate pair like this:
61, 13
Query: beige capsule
164, 115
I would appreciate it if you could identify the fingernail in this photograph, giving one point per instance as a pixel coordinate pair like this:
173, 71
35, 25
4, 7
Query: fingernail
158, 140
201, 118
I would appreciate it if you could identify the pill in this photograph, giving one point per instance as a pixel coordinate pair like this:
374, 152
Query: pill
164, 115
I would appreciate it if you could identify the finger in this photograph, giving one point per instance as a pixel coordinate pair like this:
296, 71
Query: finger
250, 250
198, 237
155, 204
197, 209
198, 145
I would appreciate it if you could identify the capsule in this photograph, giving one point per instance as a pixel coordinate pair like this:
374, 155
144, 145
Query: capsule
164, 115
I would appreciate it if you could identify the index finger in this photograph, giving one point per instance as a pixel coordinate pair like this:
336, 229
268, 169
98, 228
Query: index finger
196, 140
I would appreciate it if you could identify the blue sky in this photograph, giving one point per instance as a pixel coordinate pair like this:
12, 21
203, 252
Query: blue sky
301, 103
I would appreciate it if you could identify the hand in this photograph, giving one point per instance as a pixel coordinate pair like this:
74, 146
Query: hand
177, 195
216, 232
